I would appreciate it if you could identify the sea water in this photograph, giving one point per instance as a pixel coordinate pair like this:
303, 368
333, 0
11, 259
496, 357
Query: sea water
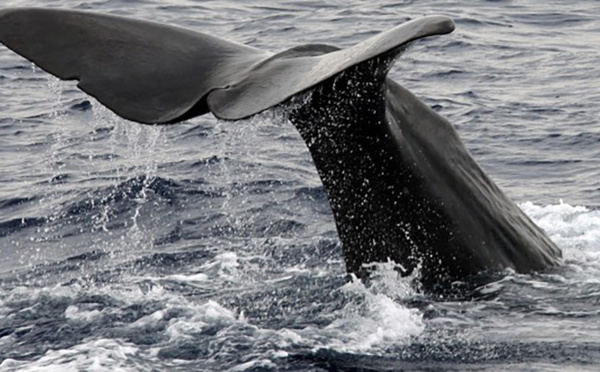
210, 245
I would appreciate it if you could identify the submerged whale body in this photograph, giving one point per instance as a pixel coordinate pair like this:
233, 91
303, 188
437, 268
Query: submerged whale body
401, 185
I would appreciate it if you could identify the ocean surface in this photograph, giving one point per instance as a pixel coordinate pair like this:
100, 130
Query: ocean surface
210, 245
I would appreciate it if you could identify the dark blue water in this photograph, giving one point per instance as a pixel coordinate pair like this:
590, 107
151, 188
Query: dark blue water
210, 245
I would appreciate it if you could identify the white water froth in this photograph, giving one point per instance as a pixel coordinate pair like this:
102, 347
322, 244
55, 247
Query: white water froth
379, 321
371, 322
576, 230
96, 355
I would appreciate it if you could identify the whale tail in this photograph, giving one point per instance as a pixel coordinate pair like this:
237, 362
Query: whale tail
157, 74
401, 184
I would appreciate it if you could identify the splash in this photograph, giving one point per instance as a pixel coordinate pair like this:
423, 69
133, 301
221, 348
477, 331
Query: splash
377, 321
576, 229
96, 355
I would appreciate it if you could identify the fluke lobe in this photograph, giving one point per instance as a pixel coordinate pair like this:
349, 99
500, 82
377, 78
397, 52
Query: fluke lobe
400, 183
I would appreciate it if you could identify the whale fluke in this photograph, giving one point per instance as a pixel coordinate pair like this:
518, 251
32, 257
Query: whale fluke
400, 183
286, 74
143, 71
155, 74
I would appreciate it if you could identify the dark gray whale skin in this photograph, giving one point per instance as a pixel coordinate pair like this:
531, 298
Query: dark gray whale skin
401, 185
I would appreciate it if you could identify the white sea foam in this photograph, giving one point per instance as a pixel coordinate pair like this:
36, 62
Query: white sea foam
198, 317
378, 320
372, 320
198, 277
97, 355
575, 229
224, 266
255, 365
76, 313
